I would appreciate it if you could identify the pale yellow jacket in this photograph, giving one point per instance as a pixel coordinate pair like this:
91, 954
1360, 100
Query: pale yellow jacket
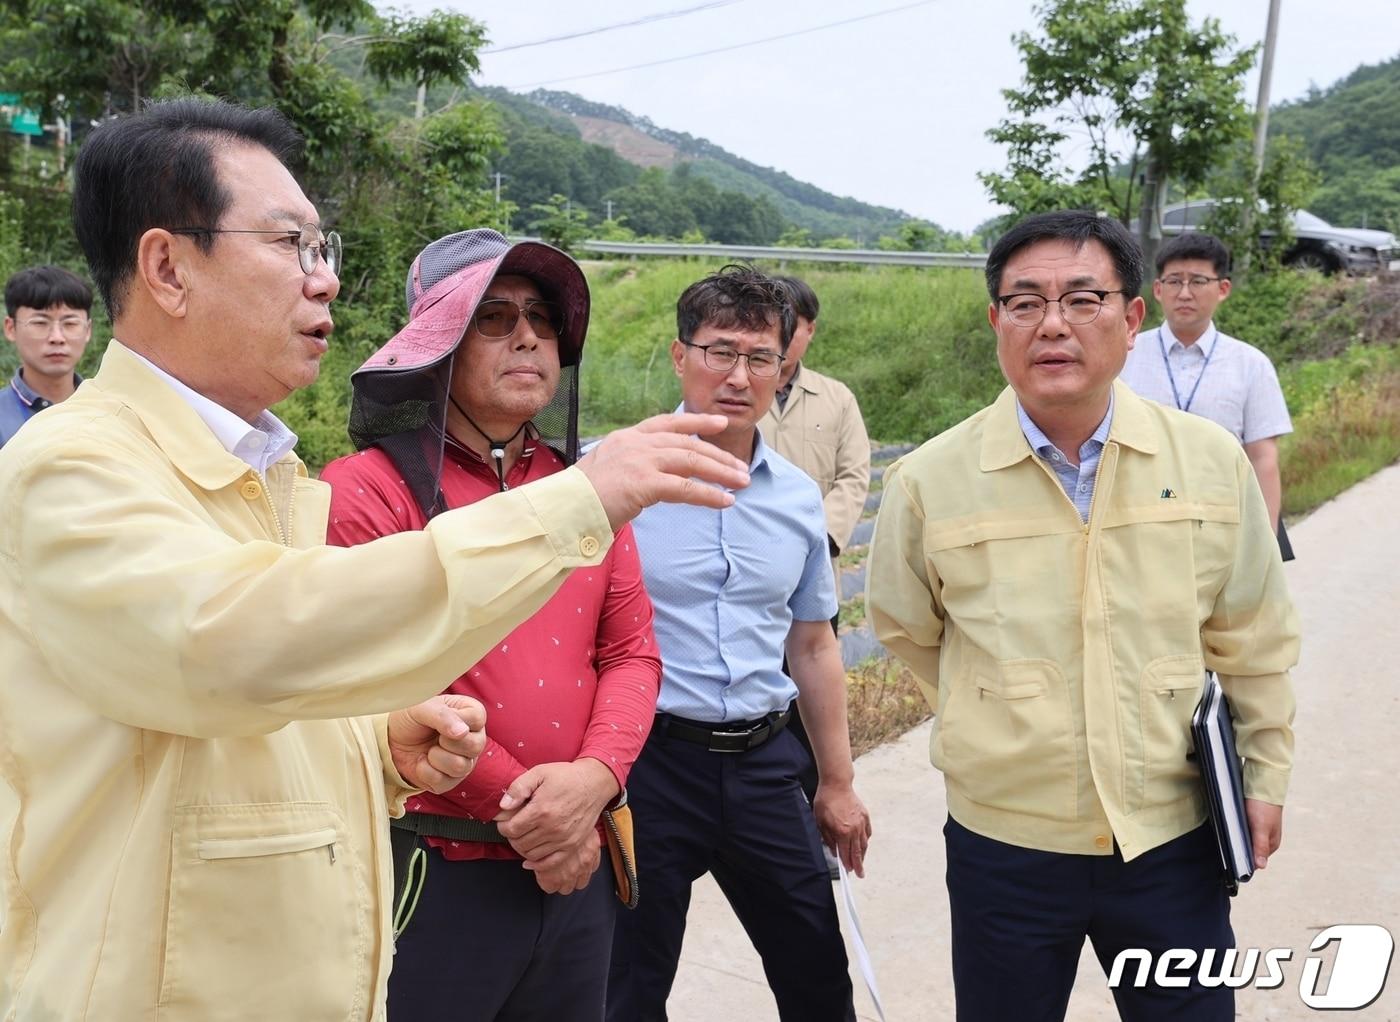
820, 430
1064, 660
194, 815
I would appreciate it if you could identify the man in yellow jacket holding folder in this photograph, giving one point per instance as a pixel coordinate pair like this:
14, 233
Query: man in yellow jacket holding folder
1059, 571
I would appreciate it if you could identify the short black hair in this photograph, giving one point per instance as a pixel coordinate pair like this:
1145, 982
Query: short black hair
736, 295
156, 169
1077, 226
804, 299
43, 287
1195, 245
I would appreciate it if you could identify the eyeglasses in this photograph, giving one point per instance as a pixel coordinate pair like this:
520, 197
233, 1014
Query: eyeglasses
1196, 283
71, 327
310, 242
497, 317
1076, 307
723, 359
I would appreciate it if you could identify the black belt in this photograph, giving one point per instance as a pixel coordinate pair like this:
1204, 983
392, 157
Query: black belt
456, 828
731, 736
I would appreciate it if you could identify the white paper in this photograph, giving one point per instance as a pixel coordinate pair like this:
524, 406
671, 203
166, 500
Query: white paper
858, 941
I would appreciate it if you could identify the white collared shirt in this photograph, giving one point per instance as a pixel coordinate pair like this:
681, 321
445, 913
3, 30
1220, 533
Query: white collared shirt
1238, 389
262, 444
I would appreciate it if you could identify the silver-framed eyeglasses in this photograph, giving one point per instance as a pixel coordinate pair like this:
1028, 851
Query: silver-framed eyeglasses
497, 317
1076, 307
73, 328
1196, 282
311, 243
722, 359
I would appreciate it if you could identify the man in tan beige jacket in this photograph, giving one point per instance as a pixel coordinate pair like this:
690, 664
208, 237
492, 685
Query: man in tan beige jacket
200, 740
816, 424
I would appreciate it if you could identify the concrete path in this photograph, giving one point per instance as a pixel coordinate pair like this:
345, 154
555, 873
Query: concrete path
1342, 827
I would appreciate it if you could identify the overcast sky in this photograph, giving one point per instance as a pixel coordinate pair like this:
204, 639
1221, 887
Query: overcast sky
890, 109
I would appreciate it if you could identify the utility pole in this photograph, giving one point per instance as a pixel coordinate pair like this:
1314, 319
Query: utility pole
1261, 126
498, 187
609, 202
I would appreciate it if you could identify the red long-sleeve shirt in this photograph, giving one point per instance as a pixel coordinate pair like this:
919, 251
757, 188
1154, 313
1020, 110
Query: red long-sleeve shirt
577, 679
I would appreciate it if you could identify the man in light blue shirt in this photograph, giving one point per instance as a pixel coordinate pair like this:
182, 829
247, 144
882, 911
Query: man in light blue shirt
715, 789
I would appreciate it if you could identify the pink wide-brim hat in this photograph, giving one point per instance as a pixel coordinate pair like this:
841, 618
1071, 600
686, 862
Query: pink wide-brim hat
448, 280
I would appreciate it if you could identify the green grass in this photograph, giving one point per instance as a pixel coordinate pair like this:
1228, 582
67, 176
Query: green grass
912, 343
1346, 419
851, 612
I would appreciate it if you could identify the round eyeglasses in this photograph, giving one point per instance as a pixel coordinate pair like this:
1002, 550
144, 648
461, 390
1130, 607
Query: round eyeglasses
723, 359
73, 328
1199, 282
310, 242
1076, 307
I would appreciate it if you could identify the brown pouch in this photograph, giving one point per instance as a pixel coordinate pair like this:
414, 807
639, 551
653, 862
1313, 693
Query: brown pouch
622, 850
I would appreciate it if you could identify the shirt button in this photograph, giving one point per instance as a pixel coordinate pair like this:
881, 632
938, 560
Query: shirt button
251, 490
1100, 842
588, 546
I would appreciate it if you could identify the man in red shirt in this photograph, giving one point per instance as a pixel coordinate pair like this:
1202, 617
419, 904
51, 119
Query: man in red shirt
476, 395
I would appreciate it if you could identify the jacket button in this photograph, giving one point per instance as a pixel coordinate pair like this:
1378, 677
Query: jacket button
251, 490
1100, 842
588, 546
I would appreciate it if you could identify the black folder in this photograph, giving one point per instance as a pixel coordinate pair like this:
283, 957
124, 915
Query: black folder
1213, 734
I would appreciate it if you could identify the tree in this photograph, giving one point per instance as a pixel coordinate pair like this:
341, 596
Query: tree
1153, 97
1286, 182
559, 222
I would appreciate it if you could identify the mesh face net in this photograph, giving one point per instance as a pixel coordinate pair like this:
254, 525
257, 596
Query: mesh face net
404, 411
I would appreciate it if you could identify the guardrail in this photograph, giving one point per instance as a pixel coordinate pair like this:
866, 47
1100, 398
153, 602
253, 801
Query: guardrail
869, 257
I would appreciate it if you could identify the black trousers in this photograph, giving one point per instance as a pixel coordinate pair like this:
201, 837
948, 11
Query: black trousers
1020, 917
485, 943
743, 818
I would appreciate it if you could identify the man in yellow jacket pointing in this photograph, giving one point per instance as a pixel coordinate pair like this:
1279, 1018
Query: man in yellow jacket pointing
200, 727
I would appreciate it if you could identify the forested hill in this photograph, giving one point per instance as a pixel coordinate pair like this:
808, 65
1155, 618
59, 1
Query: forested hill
664, 182
1351, 130
803, 203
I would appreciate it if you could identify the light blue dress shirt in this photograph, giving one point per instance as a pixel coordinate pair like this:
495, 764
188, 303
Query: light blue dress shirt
726, 587
1078, 481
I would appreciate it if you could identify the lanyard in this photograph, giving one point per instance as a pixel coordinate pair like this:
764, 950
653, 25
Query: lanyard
1166, 363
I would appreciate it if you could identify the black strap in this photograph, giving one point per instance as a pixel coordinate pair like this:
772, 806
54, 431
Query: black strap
455, 828
498, 447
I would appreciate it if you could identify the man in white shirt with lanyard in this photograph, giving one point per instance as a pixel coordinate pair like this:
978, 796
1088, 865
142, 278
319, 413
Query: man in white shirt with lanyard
1189, 364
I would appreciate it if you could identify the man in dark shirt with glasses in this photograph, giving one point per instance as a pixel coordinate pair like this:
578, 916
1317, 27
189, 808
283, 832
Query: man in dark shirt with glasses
47, 319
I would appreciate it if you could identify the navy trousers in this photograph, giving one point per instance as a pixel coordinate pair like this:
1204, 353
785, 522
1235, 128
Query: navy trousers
743, 818
1020, 917
487, 945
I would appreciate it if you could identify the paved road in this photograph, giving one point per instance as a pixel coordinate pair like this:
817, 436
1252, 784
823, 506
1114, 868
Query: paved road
1342, 828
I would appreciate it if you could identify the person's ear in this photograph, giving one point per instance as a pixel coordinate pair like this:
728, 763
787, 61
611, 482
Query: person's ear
10, 329
163, 271
678, 357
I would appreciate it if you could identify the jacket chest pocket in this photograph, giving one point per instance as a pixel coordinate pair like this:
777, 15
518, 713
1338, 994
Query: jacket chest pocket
268, 916
819, 454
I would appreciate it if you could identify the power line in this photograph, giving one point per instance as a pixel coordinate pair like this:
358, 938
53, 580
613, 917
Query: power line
726, 49
661, 16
